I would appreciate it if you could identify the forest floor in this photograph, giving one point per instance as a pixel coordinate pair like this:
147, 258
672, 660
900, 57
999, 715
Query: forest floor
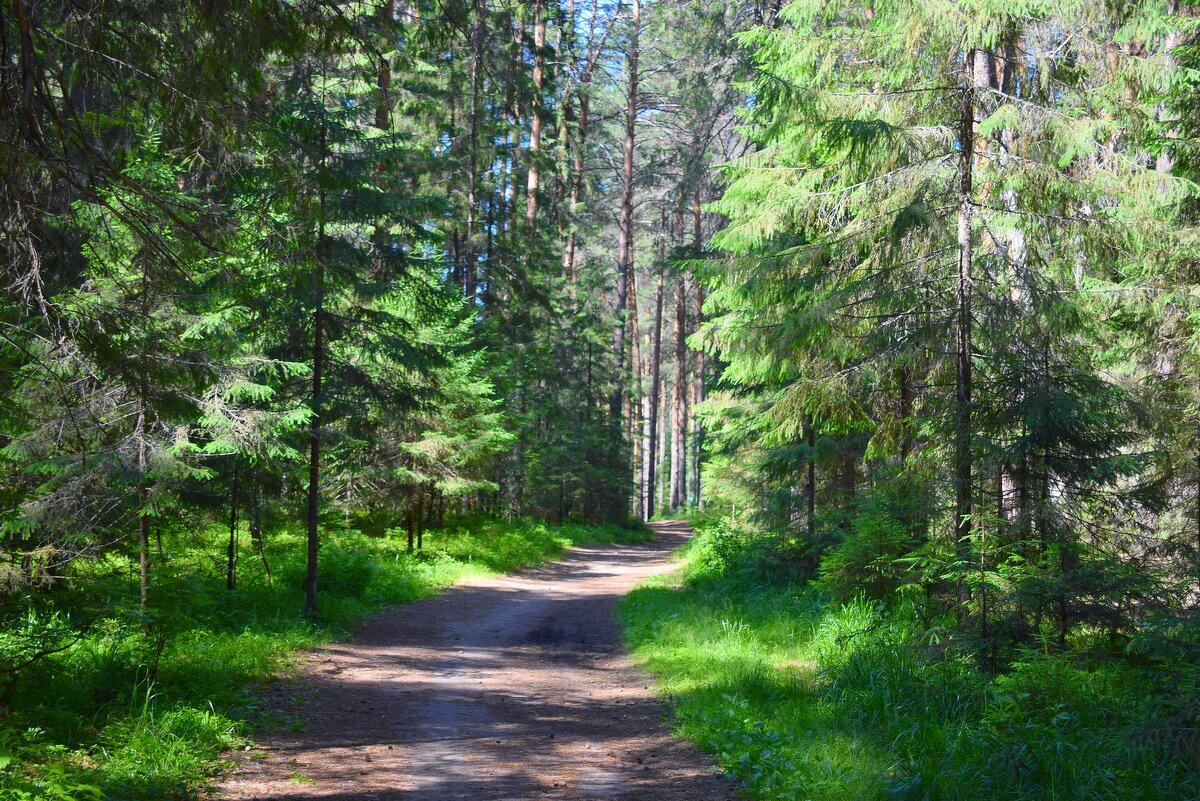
512, 687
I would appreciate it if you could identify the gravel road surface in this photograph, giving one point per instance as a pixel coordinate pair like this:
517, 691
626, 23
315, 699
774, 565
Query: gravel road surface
509, 689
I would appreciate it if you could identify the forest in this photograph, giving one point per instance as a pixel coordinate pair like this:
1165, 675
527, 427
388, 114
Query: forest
310, 309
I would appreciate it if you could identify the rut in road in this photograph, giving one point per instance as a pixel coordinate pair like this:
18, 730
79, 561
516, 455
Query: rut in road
511, 688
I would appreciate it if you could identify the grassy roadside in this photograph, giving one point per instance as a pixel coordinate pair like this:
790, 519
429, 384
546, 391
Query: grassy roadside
141, 706
801, 699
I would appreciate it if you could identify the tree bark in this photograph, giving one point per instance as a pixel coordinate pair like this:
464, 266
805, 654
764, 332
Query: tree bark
143, 407
965, 286
421, 512
469, 278
625, 234
383, 109
1166, 159
533, 183
655, 382
314, 450
143, 513
314, 430
576, 183
698, 380
664, 448
636, 408
595, 48
412, 520
679, 414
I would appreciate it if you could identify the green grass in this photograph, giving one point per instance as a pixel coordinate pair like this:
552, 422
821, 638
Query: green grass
802, 699
142, 706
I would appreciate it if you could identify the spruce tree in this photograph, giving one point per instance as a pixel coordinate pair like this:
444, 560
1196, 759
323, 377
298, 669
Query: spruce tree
934, 189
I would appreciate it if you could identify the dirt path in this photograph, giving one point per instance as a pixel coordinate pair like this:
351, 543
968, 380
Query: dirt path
513, 688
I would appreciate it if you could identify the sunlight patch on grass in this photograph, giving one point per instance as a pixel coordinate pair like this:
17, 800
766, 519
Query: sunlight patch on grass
143, 706
803, 700
744, 683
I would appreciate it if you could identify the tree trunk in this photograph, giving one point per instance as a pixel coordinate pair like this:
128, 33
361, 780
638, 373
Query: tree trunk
625, 234
420, 519
231, 551
412, 519
142, 461
1015, 251
810, 488
664, 448
679, 414
962, 389
656, 384
575, 179
314, 430
698, 380
767, 13
383, 109
314, 456
535, 122
469, 279
1166, 159
635, 408
576, 182
256, 534
143, 513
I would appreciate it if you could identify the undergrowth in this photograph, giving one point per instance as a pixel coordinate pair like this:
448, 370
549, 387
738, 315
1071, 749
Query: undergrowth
140, 705
803, 699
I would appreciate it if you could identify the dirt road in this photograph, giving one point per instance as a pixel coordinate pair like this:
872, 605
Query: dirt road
510, 689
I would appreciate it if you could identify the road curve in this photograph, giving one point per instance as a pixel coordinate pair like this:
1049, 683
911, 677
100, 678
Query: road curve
508, 689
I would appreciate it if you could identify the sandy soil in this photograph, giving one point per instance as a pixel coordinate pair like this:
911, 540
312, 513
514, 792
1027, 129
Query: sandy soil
512, 688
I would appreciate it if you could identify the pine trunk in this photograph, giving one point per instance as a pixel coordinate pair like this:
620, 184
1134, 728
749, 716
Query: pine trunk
576, 184
655, 388
664, 447
533, 184
962, 390
679, 414
575, 178
636, 407
469, 279
625, 233
697, 425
